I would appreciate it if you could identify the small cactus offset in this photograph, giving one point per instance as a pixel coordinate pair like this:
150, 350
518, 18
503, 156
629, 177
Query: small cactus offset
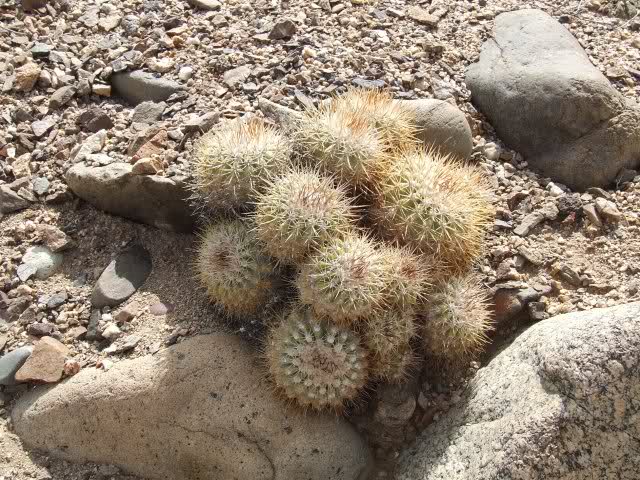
387, 337
315, 363
409, 275
457, 321
299, 212
233, 269
436, 206
342, 143
394, 122
234, 162
345, 279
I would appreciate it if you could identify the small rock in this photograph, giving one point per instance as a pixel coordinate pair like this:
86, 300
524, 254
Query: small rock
537, 311
626, 175
152, 147
3, 341
608, 210
202, 123
40, 329
123, 345
29, 5
71, 368
232, 78
41, 262
590, 212
56, 300
205, 4
54, 238
101, 89
45, 364
159, 309
368, 84
147, 166
126, 314
122, 277
185, 73
163, 65
61, 97
27, 76
148, 112
93, 144
40, 127
40, 50
422, 16
10, 201
93, 332
282, 29
110, 22
137, 87
528, 223
77, 332
40, 186
94, 120
568, 204
11, 363
111, 332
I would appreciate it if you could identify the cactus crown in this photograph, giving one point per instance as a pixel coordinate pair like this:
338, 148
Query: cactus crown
317, 364
234, 162
409, 276
342, 143
345, 280
233, 269
301, 211
457, 320
436, 206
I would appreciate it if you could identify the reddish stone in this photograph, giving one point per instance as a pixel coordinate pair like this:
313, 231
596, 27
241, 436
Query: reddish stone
46, 363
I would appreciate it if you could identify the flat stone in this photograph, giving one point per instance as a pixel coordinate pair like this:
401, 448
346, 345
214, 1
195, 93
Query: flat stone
94, 120
151, 199
364, 83
422, 16
54, 238
92, 144
234, 77
56, 300
40, 50
122, 277
123, 345
205, 4
528, 223
41, 127
40, 329
443, 126
61, 97
559, 402
546, 100
93, 332
11, 362
42, 261
282, 29
160, 308
200, 409
608, 210
148, 112
147, 166
46, 363
137, 87
10, 201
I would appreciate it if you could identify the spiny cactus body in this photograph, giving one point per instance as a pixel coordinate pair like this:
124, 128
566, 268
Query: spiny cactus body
301, 211
342, 143
233, 269
317, 364
233, 162
386, 335
409, 276
394, 121
435, 206
457, 321
344, 280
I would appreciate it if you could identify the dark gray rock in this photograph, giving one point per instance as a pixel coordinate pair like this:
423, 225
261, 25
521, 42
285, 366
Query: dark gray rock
61, 97
94, 120
137, 87
442, 126
546, 100
560, 402
282, 29
205, 4
151, 199
11, 363
148, 112
40, 329
10, 201
122, 277
93, 328
56, 300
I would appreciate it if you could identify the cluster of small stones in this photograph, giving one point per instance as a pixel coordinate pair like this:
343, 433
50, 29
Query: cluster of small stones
377, 233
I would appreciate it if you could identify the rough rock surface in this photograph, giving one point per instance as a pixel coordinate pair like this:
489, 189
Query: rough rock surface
443, 126
122, 277
197, 410
11, 363
46, 363
136, 87
545, 99
561, 402
154, 200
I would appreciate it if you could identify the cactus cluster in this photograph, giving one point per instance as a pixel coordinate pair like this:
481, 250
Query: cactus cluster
375, 236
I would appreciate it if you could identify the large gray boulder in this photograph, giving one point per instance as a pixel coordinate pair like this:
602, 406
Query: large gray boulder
561, 402
546, 100
151, 199
200, 410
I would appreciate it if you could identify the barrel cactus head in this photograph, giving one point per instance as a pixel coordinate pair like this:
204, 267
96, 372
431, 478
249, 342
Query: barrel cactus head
409, 276
392, 119
234, 270
301, 211
387, 336
234, 162
315, 363
342, 143
456, 321
345, 279
436, 206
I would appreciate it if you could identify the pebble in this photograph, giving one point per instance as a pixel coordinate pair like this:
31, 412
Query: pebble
56, 300
40, 329
61, 97
282, 29
422, 16
94, 120
205, 4
123, 345
147, 166
185, 73
27, 76
39, 261
111, 332
54, 238
159, 309
608, 210
234, 77
148, 112
40, 185
11, 362
93, 332
590, 212
45, 364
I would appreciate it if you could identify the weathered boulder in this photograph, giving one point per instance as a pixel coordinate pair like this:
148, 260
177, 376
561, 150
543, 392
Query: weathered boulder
546, 100
200, 410
561, 402
138, 86
151, 199
442, 126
